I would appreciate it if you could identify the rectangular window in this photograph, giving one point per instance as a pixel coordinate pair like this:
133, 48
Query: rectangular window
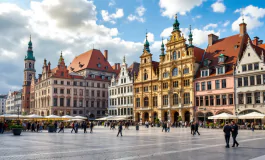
249, 98
62, 91
155, 88
165, 100
98, 104
98, 85
211, 101
92, 93
197, 101
186, 98
55, 102
231, 99
217, 84
218, 101
197, 86
250, 67
206, 101
98, 93
252, 80
75, 103
263, 78
55, 90
240, 98
55, 81
239, 82
165, 85
257, 97
223, 83
256, 66
136, 90
75, 83
263, 97
155, 101
258, 79
186, 82
209, 85
92, 103
121, 90
245, 81
201, 100
186, 71
137, 102
204, 73
103, 93
175, 84
68, 91
81, 92
220, 70
87, 92
224, 99
145, 89
203, 86
68, 102
62, 82
86, 103
75, 92
244, 68
61, 102
68, 83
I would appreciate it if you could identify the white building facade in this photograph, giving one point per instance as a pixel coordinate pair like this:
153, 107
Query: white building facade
2, 104
250, 80
121, 91
13, 102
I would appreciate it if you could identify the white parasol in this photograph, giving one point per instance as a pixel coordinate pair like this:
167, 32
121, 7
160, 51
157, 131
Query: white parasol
223, 116
252, 115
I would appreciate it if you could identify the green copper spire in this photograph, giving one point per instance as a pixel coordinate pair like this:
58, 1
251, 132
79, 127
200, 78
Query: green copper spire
162, 48
61, 58
176, 24
190, 38
146, 44
29, 55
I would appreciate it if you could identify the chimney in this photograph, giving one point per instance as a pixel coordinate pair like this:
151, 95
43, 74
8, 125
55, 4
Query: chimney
40, 76
49, 67
212, 38
260, 42
106, 54
243, 29
118, 66
255, 41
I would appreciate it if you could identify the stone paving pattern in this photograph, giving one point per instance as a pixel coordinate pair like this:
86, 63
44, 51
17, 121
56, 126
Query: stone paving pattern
145, 144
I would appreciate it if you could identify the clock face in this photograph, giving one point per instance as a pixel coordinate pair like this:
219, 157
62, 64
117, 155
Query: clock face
30, 76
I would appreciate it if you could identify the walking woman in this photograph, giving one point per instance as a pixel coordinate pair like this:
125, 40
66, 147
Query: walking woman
73, 127
252, 126
61, 127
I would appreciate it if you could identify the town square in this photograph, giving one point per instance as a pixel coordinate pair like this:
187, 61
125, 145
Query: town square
134, 79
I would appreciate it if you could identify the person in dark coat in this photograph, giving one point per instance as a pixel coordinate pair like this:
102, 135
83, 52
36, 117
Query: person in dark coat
192, 128
120, 130
164, 127
196, 129
227, 130
234, 133
55, 126
1, 127
28, 126
91, 127
85, 127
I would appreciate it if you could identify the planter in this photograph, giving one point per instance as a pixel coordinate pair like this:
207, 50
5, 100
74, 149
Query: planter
51, 129
17, 131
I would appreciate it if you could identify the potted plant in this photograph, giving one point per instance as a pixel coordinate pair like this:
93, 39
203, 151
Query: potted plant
157, 122
179, 118
51, 128
16, 129
211, 125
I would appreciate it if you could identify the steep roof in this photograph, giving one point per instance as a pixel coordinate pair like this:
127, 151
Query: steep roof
134, 68
90, 60
229, 47
198, 53
262, 45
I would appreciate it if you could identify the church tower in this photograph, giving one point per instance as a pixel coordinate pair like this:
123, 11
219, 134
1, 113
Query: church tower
29, 73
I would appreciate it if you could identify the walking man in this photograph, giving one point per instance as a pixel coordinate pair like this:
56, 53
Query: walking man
120, 129
73, 127
196, 128
227, 129
234, 133
85, 126
61, 127
91, 127
192, 128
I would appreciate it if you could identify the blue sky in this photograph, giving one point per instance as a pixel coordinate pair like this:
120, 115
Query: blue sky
74, 26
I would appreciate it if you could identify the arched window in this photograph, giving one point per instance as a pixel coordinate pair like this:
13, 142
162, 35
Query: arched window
29, 65
145, 60
174, 55
175, 72
165, 74
145, 76
146, 102
175, 99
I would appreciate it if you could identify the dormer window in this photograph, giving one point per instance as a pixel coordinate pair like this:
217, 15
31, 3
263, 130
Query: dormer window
99, 65
205, 62
93, 76
103, 77
109, 78
220, 70
221, 58
205, 73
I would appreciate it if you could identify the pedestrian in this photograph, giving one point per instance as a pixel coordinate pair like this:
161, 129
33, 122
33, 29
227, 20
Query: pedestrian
91, 127
33, 127
164, 127
76, 127
197, 128
120, 129
73, 127
227, 130
38, 127
85, 127
24, 125
168, 126
252, 126
4, 127
1, 127
234, 133
61, 127
192, 128
55, 126
41, 126
28, 126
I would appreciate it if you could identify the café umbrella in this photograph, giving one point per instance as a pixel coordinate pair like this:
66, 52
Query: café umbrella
252, 115
223, 116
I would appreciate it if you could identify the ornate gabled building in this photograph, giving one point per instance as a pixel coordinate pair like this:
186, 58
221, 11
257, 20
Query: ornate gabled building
250, 78
121, 91
164, 89
214, 84
29, 74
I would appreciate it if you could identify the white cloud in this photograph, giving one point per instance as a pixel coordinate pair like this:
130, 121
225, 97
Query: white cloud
61, 25
150, 37
218, 6
170, 7
111, 17
226, 23
211, 25
166, 32
139, 17
112, 3
252, 16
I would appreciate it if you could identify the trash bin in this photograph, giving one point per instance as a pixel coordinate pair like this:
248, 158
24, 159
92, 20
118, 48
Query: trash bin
137, 128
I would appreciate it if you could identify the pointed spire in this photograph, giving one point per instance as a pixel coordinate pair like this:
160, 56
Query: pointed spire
45, 62
146, 44
61, 58
162, 48
124, 61
176, 23
29, 55
190, 38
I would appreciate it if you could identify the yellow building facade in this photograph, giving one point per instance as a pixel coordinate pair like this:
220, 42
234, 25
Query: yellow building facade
165, 90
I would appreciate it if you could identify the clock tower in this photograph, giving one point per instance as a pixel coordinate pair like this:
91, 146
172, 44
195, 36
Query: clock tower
29, 73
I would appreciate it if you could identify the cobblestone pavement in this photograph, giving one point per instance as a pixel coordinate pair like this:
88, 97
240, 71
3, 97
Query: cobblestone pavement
144, 144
